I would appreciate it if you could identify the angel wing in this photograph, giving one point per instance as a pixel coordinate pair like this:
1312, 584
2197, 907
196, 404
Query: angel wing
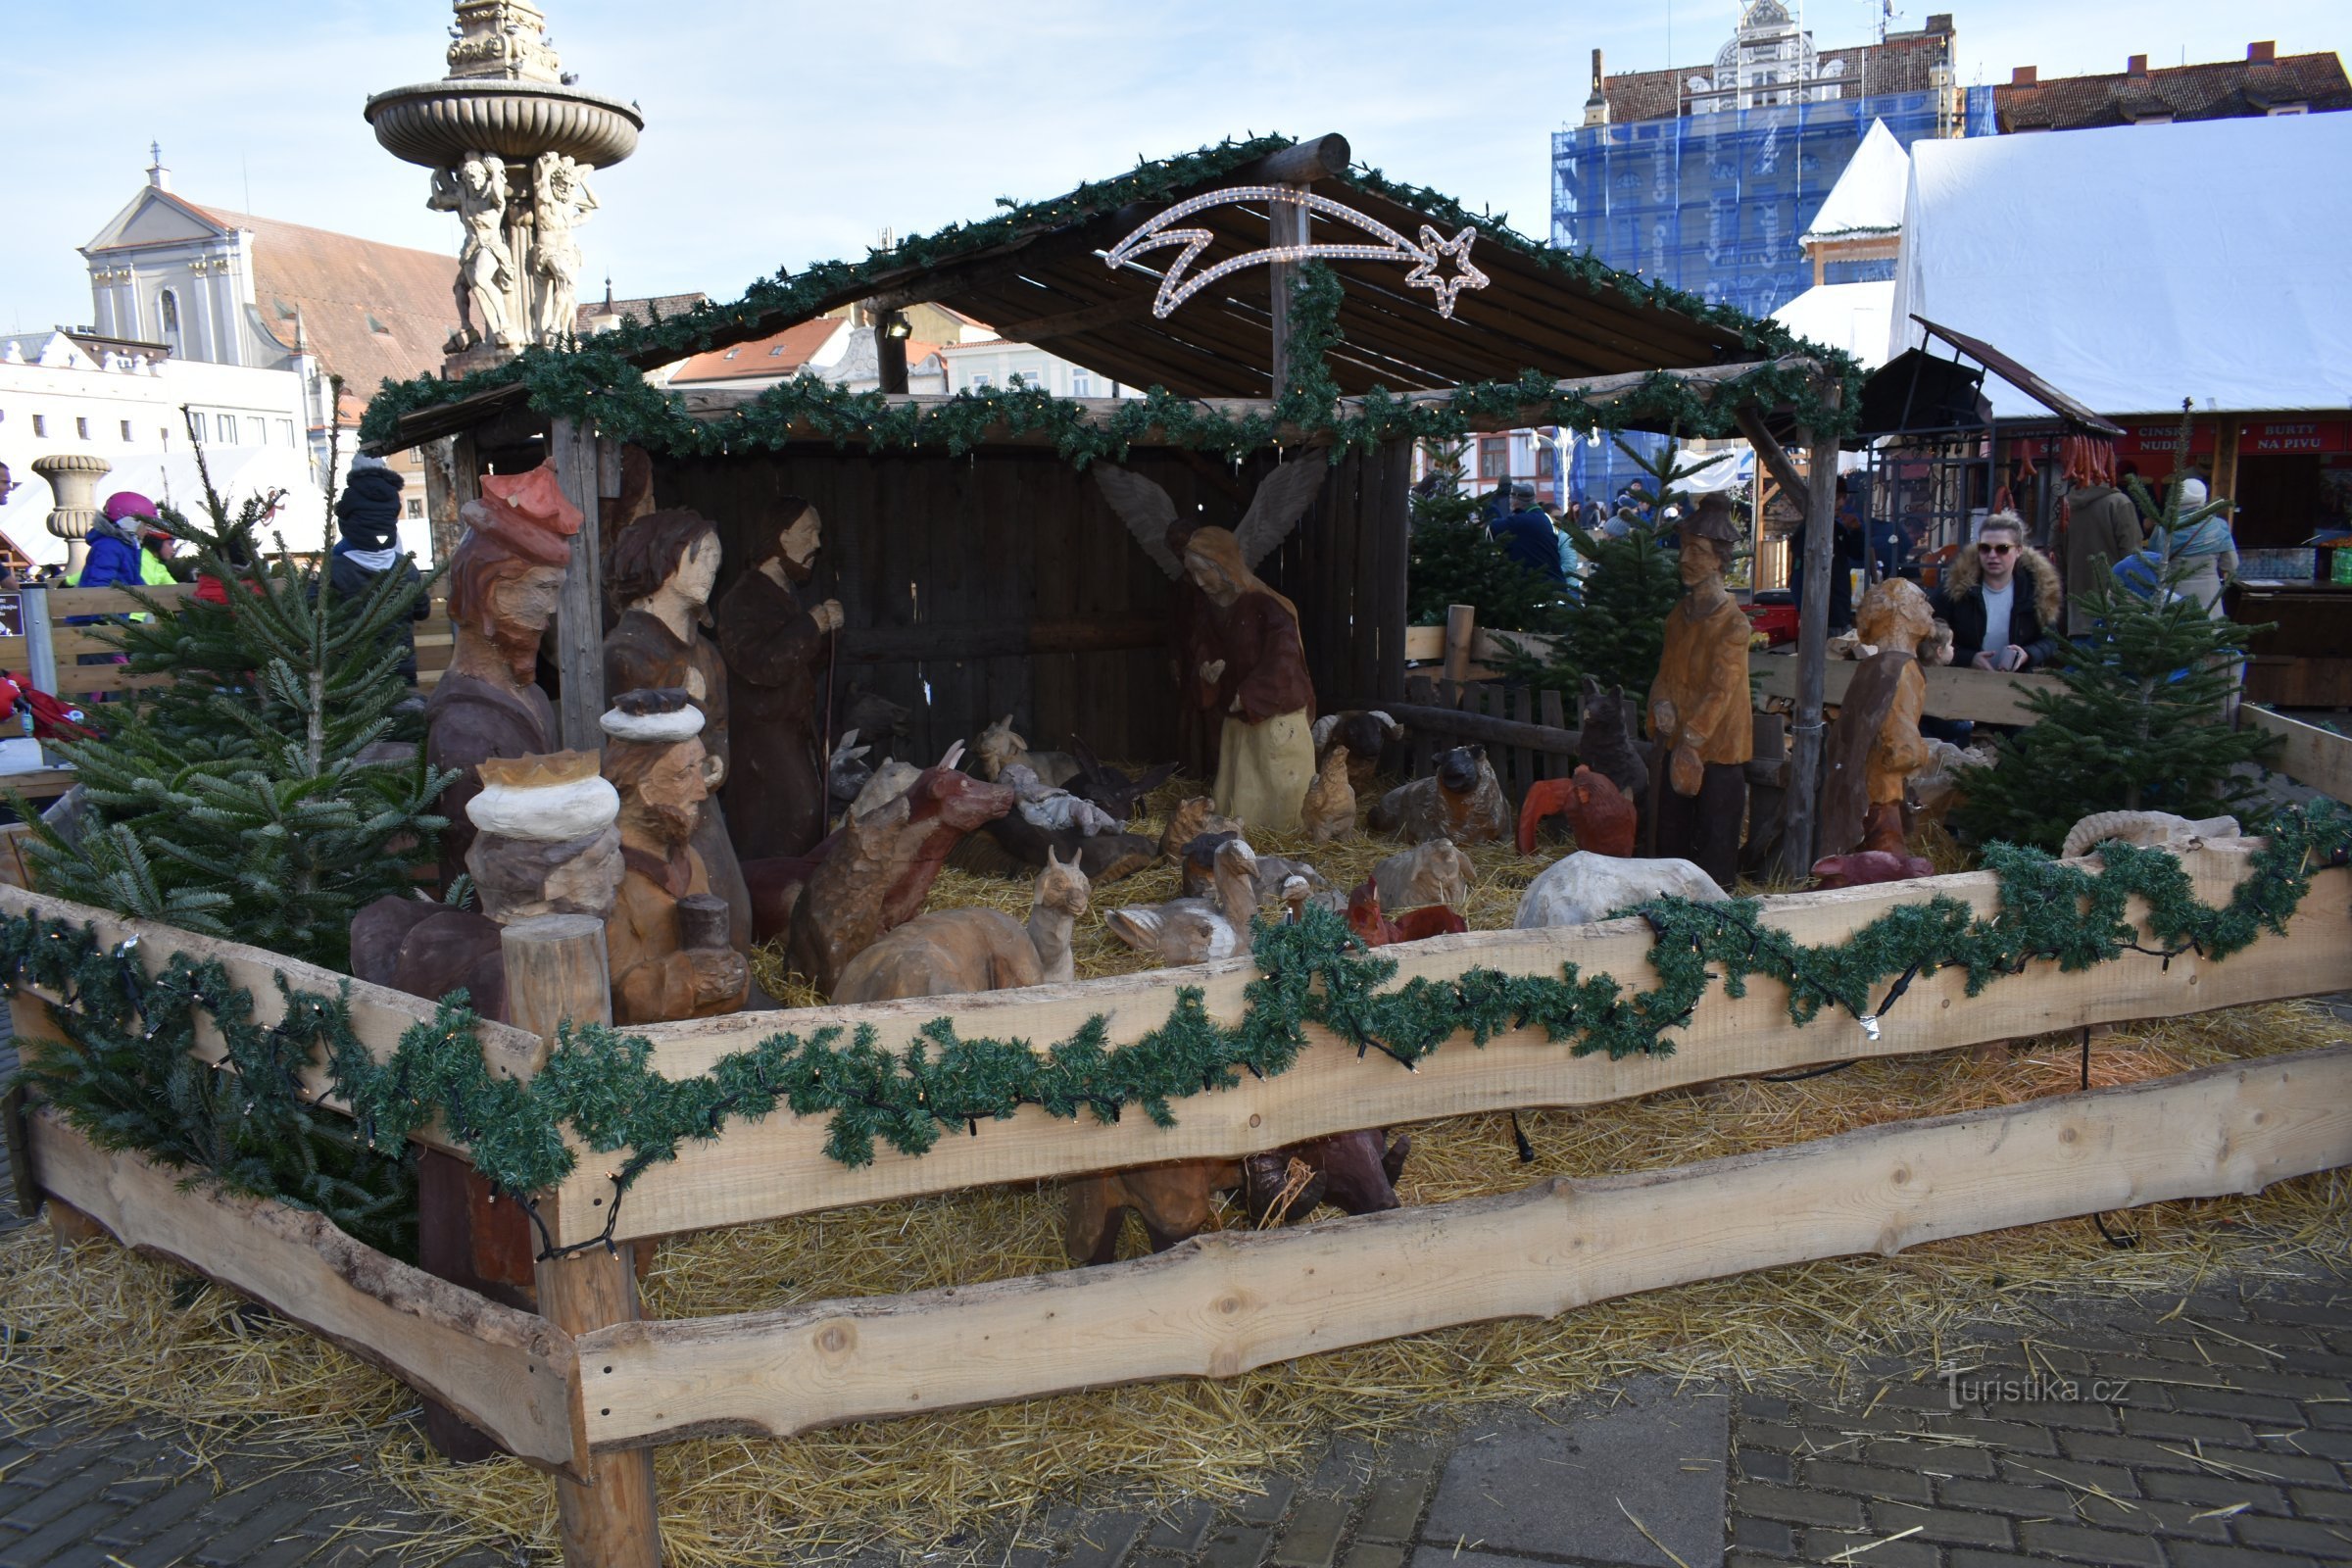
1281, 501
1147, 511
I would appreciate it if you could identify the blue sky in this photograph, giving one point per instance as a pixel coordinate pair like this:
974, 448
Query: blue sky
786, 131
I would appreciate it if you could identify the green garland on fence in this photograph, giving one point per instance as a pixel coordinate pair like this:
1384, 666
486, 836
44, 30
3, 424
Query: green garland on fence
599, 380
128, 1081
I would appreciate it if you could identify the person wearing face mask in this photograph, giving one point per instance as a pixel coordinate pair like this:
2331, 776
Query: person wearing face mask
367, 515
2001, 601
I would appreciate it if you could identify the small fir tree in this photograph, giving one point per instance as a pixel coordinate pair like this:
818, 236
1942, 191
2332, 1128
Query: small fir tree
246, 794
1455, 560
2140, 723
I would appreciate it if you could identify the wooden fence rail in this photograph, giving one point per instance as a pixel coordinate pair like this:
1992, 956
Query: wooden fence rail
584, 1388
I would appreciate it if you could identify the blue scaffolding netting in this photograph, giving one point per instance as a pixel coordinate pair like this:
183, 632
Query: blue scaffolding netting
1714, 204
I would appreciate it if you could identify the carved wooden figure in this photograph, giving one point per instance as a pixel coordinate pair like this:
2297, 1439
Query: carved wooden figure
1874, 746
1698, 706
1380, 930
948, 952
660, 576
505, 578
1610, 719
1195, 930
1192, 817
1329, 808
1598, 813
1048, 822
874, 874
1000, 746
1435, 872
662, 968
1246, 663
1463, 801
775, 658
1365, 732
1110, 788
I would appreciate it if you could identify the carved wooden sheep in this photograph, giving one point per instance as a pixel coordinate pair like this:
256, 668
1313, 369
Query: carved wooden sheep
1435, 872
1585, 887
2143, 828
1463, 801
1598, 813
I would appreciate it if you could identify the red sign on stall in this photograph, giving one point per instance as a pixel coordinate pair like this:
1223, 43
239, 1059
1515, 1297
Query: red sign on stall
2154, 437
2294, 436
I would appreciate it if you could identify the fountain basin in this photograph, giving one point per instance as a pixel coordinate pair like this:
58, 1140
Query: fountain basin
435, 124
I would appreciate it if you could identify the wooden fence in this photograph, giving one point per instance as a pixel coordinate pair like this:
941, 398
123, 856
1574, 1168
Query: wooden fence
582, 1388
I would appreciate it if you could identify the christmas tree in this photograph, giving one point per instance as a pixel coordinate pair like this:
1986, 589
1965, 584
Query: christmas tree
250, 793
1455, 560
2140, 723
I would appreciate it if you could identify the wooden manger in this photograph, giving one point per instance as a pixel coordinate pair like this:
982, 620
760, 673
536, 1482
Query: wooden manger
584, 1388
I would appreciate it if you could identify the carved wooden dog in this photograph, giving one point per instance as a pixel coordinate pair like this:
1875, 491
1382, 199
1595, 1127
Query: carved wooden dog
1463, 801
880, 867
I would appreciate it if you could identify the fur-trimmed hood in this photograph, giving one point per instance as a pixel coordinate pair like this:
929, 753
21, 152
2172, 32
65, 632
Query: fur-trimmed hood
1964, 574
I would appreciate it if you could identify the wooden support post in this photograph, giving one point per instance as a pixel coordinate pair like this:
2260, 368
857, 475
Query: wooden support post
1286, 225
556, 972
580, 619
1461, 630
1812, 653
441, 498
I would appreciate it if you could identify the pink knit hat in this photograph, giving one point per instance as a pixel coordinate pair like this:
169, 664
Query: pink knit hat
129, 503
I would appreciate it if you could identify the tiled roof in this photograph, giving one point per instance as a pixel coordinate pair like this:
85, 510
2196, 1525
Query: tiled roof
1900, 64
369, 310
777, 356
637, 310
2219, 90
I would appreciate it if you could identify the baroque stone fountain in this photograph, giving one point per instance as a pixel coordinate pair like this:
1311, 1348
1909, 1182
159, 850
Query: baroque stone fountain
511, 142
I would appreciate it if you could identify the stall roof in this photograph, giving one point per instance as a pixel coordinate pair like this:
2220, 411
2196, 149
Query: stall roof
1038, 275
2140, 265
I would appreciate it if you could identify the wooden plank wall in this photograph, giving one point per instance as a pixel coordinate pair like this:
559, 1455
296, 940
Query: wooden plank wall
1003, 582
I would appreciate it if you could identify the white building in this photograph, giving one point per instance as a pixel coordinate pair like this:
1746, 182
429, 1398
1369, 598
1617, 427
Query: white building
69, 393
199, 285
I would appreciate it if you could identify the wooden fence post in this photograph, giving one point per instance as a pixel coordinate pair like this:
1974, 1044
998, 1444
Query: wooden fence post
1812, 652
1461, 629
580, 619
556, 971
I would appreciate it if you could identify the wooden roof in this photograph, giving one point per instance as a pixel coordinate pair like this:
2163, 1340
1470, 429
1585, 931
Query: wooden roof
1049, 287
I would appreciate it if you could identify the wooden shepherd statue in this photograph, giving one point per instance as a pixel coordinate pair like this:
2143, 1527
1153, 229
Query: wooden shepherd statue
668, 940
1698, 706
1245, 662
775, 651
660, 574
1875, 746
505, 578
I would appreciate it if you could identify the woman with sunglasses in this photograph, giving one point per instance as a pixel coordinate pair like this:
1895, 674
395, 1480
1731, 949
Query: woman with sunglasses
2001, 601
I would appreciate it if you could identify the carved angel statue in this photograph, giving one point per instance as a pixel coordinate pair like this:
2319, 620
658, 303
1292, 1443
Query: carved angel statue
1237, 639
560, 202
476, 191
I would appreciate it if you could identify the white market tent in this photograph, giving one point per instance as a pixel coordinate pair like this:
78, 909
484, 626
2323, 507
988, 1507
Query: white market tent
1853, 316
2138, 266
1869, 196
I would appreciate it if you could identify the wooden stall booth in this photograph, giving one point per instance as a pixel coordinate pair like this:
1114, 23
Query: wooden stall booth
980, 569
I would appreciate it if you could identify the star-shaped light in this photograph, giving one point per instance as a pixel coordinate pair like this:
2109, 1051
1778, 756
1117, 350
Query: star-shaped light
1434, 249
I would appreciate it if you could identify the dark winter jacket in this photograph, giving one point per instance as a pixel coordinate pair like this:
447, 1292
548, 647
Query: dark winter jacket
2033, 616
2102, 527
113, 560
351, 576
1529, 538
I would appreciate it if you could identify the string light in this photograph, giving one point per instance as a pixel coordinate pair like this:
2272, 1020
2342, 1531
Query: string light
1175, 287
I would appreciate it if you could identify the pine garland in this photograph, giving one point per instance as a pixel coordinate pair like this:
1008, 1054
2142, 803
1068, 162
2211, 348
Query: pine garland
127, 1080
599, 378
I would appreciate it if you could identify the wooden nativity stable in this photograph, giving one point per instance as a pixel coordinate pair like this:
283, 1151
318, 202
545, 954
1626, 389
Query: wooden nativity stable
979, 566
995, 578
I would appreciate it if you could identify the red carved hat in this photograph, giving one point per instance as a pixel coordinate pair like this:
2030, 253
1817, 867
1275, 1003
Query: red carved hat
527, 512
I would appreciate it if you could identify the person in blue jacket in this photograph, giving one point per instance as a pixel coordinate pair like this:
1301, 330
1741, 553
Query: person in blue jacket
113, 560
